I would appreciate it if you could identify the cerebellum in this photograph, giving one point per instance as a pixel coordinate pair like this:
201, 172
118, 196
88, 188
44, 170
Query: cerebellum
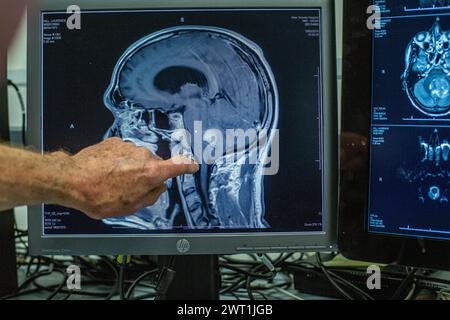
426, 78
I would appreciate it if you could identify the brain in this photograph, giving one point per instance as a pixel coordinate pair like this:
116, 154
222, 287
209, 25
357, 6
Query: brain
426, 79
205, 74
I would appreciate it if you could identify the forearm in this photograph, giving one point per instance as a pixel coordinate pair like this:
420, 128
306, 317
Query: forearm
112, 178
28, 178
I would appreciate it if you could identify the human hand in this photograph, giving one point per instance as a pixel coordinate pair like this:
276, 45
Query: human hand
115, 178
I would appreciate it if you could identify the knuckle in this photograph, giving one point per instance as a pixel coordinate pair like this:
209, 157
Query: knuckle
144, 152
94, 213
152, 170
114, 139
153, 199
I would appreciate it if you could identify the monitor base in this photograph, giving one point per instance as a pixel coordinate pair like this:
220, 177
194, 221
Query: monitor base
8, 271
196, 278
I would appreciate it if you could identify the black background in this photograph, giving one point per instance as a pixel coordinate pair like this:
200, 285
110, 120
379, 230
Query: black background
78, 69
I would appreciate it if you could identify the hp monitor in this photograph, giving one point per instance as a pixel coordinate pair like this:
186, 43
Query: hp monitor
247, 89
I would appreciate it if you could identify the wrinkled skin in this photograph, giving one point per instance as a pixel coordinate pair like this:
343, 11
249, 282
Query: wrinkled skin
115, 178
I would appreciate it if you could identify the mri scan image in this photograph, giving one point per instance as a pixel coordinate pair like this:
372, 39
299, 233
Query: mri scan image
173, 78
426, 79
432, 174
433, 3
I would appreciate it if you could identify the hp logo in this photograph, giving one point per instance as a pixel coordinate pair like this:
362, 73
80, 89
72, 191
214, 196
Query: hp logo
183, 245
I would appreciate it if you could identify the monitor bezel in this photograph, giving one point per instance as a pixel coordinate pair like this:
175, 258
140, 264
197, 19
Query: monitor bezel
354, 240
198, 244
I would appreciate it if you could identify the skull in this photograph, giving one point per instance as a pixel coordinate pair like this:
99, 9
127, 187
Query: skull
166, 82
426, 79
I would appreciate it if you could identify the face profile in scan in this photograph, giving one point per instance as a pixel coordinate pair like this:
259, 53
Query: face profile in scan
426, 78
177, 83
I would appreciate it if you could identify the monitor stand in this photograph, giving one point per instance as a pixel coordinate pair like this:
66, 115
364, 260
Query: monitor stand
196, 278
8, 271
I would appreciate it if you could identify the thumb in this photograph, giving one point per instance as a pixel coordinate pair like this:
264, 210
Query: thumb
177, 166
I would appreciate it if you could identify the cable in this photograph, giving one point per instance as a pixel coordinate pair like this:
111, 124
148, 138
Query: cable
30, 264
28, 281
146, 296
289, 294
401, 289
121, 282
325, 272
116, 283
312, 268
241, 279
247, 273
22, 107
137, 282
165, 279
19, 294
444, 294
249, 282
58, 288
350, 285
96, 271
411, 292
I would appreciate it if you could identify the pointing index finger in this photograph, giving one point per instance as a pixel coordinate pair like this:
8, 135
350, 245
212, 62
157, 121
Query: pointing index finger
176, 166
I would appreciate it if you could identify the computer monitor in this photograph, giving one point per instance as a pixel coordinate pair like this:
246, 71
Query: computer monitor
395, 175
259, 77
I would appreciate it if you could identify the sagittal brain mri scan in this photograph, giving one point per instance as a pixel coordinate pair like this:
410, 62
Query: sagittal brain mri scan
237, 90
174, 77
427, 75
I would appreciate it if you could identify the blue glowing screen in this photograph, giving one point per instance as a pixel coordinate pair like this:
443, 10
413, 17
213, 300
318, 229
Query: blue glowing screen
154, 77
410, 149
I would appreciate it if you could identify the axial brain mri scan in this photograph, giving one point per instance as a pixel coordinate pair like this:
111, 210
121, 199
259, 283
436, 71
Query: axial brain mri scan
410, 121
427, 75
169, 80
433, 3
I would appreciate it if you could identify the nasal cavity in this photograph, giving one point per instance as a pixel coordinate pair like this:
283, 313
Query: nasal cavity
146, 117
173, 78
161, 120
